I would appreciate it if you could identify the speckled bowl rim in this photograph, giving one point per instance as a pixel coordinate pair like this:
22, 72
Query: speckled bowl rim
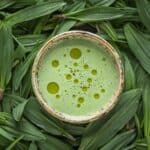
60, 115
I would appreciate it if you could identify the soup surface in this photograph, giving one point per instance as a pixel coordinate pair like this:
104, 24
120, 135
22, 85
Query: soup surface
77, 77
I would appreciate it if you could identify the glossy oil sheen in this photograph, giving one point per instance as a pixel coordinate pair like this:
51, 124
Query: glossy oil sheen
85, 74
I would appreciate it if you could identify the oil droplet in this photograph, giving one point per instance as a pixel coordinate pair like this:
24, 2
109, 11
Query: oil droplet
103, 90
86, 66
84, 88
55, 63
73, 95
75, 53
52, 87
68, 77
78, 105
103, 59
89, 80
76, 81
94, 72
57, 96
88, 50
80, 99
75, 64
96, 96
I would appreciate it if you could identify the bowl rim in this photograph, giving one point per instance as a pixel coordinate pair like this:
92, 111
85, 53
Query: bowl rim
60, 115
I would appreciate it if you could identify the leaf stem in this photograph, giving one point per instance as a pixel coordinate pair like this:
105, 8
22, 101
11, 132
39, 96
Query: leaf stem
1, 93
59, 16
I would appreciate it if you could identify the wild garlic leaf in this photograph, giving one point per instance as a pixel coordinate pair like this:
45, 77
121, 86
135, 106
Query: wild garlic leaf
54, 143
26, 87
6, 135
99, 13
143, 7
6, 56
30, 40
3, 142
38, 118
139, 45
13, 144
66, 25
33, 146
24, 127
22, 69
79, 5
33, 12
120, 141
109, 29
146, 107
6, 3
130, 79
141, 77
101, 2
18, 110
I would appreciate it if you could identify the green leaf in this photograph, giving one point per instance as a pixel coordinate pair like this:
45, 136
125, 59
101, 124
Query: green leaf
6, 104
53, 143
29, 40
33, 12
130, 80
18, 110
40, 24
26, 87
101, 2
27, 43
42, 121
21, 146
141, 144
6, 55
144, 12
6, 135
78, 5
74, 129
66, 25
14, 142
7, 120
139, 46
63, 27
20, 50
146, 105
114, 124
6, 3
24, 127
108, 28
23, 3
95, 14
33, 146
22, 69
120, 141
30, 131
141, 77
3, 142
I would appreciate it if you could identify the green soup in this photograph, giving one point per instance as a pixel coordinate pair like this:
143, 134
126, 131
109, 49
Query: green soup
77, 77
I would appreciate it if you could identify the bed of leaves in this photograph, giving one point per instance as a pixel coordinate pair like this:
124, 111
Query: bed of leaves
25, 25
